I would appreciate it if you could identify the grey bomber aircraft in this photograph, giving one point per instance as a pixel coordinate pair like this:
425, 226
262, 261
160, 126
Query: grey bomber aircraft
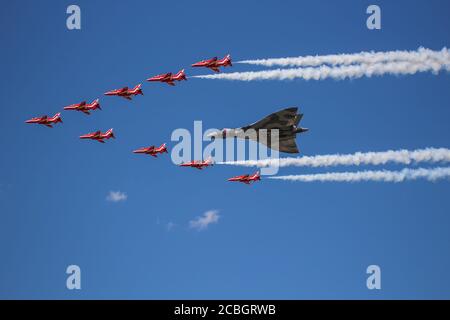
286, 121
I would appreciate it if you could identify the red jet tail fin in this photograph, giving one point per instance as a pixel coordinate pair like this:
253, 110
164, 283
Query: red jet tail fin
256, 176
180, 75
225, 61
110, 133
229, 60
138, 90
57, 117
96, 104
162, 148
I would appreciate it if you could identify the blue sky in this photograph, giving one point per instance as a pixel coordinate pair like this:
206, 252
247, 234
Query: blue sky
273, 239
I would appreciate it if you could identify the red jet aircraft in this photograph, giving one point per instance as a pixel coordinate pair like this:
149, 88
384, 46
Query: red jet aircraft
99, 136
169, 78
153, 151
247, 178
214, 63
83, 107
198, 164
125, 92
46, 121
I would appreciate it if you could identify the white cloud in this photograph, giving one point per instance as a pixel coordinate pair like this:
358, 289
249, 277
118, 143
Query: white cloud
201, 223
170, 226
116, 196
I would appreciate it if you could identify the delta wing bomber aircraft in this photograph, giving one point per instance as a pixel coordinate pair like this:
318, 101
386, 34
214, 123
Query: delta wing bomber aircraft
286, 121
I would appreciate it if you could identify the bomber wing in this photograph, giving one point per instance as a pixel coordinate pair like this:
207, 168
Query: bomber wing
277, 120
286, 143
285, 121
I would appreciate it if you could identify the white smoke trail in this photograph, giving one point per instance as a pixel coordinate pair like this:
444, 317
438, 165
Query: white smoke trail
384, 175
432, 155
338, 73
421, 55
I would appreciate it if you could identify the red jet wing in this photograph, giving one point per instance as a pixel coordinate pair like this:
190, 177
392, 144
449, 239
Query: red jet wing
76, 106
205, 63
37, 119
161, 77
166, 77
116, 92
146, 150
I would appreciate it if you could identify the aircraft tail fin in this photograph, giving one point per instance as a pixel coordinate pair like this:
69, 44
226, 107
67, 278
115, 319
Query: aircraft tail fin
225, 61
298, 118
181, 75
57, 117
163, 148
110, 132
228, 57
138, 90
96, 104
